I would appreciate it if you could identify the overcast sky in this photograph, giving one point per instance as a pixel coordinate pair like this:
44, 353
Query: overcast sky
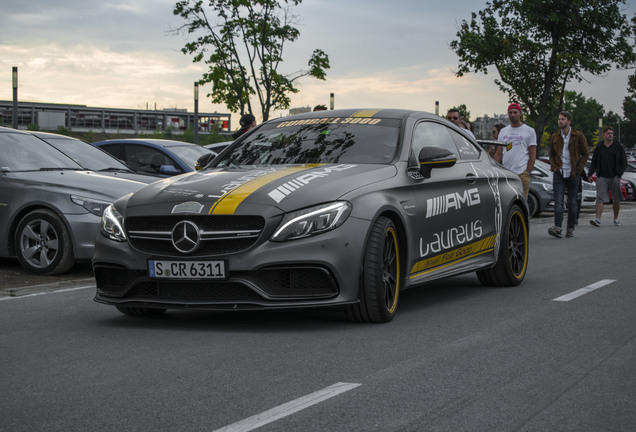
383, 54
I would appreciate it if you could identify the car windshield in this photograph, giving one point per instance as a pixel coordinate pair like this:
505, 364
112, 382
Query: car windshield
189, 153
321, 140
22, 152
87, 155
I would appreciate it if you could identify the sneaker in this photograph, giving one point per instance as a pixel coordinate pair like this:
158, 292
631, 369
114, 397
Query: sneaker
617, 222
595, 222
569, 233
555, 232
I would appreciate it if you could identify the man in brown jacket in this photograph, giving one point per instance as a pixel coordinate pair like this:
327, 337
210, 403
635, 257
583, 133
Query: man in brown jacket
568, 154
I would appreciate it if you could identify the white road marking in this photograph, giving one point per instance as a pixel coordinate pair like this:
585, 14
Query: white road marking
582, 291
289, 408
47, 292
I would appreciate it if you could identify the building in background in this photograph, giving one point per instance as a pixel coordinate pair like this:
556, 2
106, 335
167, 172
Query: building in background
482, 126
80, 118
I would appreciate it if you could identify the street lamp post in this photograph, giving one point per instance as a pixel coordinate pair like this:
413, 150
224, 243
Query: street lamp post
196, 112
15, 97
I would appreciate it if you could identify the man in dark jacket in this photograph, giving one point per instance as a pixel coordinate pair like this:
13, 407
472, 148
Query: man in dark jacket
568, 154
247, 122
608, 163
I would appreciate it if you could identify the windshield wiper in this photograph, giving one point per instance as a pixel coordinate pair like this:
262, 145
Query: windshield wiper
115, 170
62, 169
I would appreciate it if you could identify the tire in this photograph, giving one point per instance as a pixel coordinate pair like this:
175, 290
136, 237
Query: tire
140, 311
380, 279
43, 243
533, 205
512, 261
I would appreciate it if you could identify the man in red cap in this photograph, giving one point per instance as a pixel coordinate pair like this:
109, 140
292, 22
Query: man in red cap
520, 151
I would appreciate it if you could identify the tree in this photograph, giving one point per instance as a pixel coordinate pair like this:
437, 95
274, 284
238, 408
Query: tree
585, 114
244, 42
628, 131
538, 46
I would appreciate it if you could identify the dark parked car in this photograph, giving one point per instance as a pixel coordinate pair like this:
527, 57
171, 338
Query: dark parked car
332, 208
155, 156
92, 158
540, 195
50, 207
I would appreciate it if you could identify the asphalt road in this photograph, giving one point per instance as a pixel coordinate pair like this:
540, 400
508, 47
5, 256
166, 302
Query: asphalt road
557, 353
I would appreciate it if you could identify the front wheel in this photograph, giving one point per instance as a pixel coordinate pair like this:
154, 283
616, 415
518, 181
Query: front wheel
43, 244
380, 285
512, 259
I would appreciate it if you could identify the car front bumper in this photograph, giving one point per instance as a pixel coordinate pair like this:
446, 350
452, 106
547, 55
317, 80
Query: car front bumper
322, 270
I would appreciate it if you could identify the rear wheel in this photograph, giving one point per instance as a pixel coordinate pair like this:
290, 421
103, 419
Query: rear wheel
140, 311
512, 260
380, 275
43, 244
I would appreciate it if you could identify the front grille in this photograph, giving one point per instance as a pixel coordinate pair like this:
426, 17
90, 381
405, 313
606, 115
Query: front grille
273, 284
219, 234
297, 282
195, 291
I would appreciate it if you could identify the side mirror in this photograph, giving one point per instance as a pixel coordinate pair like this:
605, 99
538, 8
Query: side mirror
168, 169
435, 157
204, 160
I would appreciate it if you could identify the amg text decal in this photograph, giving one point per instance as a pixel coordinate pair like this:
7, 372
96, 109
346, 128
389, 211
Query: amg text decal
290, 186
456, 200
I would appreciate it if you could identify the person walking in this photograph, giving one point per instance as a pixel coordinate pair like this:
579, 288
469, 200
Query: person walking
247, 122
453, 116
495, 136
520, 151
609, 162
568, 155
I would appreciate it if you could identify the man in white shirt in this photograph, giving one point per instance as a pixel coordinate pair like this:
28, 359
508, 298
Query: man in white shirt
520, 151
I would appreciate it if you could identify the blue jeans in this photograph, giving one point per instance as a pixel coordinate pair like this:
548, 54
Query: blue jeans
560, 186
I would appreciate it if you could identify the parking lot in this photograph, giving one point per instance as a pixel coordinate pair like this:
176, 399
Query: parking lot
555, 353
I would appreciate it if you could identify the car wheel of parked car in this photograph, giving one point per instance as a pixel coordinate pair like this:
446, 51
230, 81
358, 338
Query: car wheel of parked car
533, 205
43, 243
381, 275
512, 262
140, 311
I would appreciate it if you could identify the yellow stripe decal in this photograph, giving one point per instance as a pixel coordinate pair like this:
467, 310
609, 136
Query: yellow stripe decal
228, 203
435, 162
454, 256
365, 113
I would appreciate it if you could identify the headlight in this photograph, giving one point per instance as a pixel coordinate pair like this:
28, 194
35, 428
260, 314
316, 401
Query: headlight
547, 186
589, 186
113, 224
312, 221
94, 206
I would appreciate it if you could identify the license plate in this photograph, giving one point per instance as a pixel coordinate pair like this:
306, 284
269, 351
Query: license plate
186, 269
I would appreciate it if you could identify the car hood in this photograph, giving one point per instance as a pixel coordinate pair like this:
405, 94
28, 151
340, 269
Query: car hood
248, 190
87, 183
131, 175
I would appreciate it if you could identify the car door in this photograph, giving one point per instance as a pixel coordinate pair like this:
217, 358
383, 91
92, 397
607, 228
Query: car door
450, 206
